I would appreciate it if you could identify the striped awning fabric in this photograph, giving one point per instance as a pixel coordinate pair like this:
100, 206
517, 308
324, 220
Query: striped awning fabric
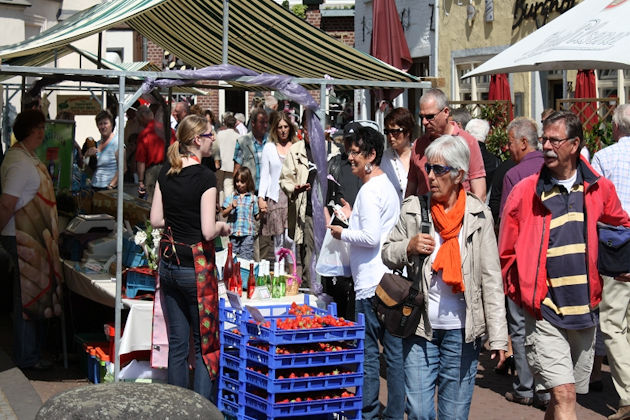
263, 36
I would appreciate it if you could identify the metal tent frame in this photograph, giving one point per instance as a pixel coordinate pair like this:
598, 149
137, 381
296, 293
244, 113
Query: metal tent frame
121, 77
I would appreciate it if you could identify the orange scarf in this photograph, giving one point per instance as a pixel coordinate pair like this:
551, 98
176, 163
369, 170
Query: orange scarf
448, 225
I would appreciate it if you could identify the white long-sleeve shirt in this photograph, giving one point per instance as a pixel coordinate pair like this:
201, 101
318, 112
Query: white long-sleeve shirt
270, 168
376, 210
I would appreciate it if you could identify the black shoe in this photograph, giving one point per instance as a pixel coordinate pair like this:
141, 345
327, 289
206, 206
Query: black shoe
596, 386
519, 400
508, 367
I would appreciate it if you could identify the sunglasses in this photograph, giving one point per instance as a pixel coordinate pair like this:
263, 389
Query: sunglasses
208, 135
394, 131
437, 169
429, 117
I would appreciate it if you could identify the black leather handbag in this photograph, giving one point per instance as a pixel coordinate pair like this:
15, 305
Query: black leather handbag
613, 250
398, 302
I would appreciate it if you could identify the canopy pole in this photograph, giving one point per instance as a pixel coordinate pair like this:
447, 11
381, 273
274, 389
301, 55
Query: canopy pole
322, 105
99, 57
226, 23
119, 225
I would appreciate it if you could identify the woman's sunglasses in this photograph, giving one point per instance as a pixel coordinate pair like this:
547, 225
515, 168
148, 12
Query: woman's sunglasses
437, 169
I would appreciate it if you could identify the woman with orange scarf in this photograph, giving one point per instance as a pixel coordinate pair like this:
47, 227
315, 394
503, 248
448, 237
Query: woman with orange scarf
461, 283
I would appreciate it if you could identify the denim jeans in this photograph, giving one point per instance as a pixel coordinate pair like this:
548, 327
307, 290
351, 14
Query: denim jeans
243, 246
182, 315
392, 350
28, 335
446, 361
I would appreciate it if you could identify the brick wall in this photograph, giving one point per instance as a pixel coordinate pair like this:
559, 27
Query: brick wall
314, 16
155, 54
344, 36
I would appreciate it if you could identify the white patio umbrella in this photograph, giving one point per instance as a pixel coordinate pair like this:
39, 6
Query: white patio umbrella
592, 35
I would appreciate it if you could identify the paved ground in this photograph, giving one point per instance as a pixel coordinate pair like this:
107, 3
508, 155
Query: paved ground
22, 393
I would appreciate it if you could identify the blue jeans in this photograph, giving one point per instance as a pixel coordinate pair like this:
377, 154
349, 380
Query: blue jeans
393, 352
182, 315
243, 246
446, 361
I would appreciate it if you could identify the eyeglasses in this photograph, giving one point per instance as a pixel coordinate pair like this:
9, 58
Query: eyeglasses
393, 131
208, 135
437, 169
554, 141
353, 153
429, 117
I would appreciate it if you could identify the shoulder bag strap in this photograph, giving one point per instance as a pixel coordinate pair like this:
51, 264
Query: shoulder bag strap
425, 227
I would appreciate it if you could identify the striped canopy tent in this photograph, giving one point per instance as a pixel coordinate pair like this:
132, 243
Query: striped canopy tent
262, 36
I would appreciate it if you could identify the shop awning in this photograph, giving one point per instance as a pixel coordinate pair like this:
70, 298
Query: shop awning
263, 36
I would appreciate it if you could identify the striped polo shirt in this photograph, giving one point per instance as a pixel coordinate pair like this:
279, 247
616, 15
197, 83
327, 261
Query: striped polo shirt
567, 304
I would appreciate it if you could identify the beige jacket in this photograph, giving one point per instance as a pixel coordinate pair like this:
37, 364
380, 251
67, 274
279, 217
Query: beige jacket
295, 172
485, 301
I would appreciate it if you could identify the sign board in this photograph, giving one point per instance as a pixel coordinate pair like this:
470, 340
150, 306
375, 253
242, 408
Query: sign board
78, 104
56, 152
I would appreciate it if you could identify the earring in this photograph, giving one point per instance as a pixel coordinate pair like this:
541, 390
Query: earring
368, 168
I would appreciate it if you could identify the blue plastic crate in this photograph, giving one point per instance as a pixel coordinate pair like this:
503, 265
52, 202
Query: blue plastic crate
233, 316
283, 361
312, 383
139, 281
272, 335
304, 408
230, 361
133, 256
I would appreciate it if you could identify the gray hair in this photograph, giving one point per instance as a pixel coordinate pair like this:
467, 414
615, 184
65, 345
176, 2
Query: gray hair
621, 118
478, 128
453, 150
524, 127
437, 95
461, 115
240, 117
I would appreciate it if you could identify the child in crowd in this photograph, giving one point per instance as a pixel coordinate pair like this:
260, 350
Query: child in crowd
241, 210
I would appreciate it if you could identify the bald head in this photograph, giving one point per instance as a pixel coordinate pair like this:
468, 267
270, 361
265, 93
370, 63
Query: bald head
621, 121
181, 110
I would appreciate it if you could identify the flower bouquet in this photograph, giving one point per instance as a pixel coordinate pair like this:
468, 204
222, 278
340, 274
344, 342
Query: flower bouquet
293, 281
149, 240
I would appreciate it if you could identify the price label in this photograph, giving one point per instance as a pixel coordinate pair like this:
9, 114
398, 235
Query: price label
262, 292
235, 300
255, 313
222, 289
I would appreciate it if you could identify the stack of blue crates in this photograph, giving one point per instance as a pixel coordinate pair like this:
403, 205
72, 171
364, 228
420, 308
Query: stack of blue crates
255, 380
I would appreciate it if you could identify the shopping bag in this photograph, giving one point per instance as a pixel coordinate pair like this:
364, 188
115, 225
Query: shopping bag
334, 257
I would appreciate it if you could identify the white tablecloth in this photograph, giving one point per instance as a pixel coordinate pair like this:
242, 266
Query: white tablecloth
101, 288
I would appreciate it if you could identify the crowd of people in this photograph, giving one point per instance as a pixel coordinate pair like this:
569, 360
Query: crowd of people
509, 264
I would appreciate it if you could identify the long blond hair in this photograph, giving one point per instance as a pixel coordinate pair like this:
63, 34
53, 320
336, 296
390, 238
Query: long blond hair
273, 133
189, 128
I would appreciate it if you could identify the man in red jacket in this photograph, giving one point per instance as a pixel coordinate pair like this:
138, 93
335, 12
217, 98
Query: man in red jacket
548, 249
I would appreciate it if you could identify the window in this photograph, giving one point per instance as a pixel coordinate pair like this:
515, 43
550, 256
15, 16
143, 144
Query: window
472, 88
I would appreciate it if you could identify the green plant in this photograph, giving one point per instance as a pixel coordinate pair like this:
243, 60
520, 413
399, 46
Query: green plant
299, 10
599, 136
497, 115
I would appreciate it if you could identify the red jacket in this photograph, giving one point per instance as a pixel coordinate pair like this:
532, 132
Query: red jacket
524, 237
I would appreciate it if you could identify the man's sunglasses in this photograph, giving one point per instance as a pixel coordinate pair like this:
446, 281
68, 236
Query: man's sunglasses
429, 117
437, 169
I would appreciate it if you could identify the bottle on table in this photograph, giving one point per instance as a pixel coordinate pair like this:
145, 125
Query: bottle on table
228, 268
251, 281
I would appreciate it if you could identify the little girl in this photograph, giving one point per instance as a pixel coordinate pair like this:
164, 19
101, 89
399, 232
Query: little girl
241, 209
